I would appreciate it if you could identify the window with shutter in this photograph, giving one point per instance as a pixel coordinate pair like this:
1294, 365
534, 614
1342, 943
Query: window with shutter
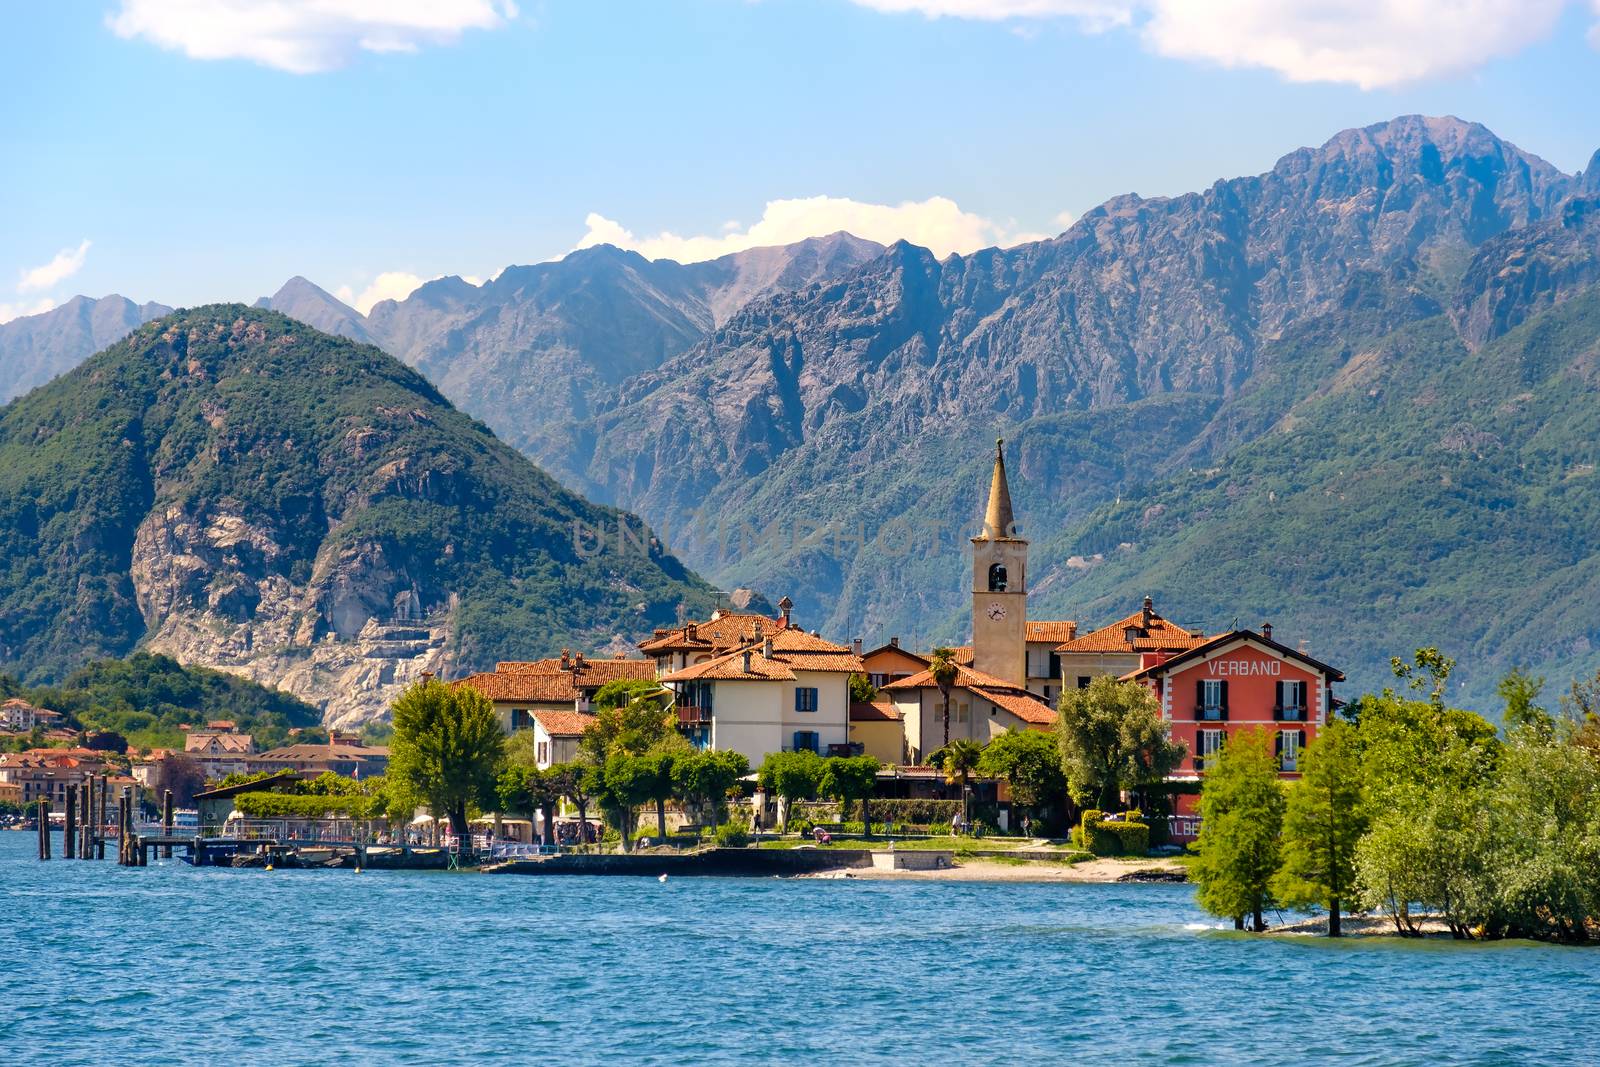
1211, 699
1222, 702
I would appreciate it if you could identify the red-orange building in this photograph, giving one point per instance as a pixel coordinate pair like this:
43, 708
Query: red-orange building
1233, 682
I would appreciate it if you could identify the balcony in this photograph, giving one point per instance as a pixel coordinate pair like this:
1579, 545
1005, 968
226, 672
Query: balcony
1289, 712
692, 715
1209, 713
854, 748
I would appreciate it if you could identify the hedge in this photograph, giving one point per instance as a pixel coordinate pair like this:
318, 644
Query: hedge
294, 806
1125, 836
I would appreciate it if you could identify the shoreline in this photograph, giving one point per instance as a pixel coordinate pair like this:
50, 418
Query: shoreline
1100, 871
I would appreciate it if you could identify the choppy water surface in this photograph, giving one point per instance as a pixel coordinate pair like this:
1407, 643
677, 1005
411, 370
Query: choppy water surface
174, 965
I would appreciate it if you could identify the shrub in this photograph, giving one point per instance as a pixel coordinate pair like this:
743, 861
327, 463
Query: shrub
920, 812
732, 835
800, 825
1123, 836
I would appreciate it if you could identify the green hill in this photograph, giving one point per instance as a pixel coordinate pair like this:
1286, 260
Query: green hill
243, 491
1426, 493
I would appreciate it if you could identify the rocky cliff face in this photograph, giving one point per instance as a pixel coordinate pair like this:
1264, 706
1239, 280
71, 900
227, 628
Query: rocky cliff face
300, 509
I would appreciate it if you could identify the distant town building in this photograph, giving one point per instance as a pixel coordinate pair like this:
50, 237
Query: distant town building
1121, 647
784, 690
219, 749
19, 716
556, 735
878, 729
47, 773
340, 756
520, 690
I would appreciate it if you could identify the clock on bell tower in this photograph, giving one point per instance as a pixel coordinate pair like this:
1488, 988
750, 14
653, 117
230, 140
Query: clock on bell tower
1000, 586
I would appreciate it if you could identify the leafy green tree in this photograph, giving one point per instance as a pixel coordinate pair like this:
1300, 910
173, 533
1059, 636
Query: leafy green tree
1030, 762
447, 749
1520, 692
862, 691
630, 717
1428, 670
582, 781
705, 778
850, 778
1324, 820
527, 791
1241, 816
959, 761
945, 672
793, 776
630, 781
1112, 738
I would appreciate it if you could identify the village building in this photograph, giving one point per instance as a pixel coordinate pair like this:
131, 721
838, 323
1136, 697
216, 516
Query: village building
20, 717
341, 755
556, 735
47, 773
219, 749
1243, 680
890, 663
785, 690
878, 729
700, 642
981, 708
521, 690
1121, 647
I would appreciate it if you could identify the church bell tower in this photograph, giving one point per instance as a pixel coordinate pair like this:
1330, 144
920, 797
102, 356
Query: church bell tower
1000, 586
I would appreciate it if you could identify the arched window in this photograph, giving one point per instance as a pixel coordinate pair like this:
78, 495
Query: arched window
997, 578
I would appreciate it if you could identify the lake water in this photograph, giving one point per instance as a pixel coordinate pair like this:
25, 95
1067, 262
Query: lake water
173, 965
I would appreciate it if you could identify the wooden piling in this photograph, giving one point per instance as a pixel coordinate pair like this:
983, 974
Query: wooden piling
100, 818
69, 828
44, 828
166, 822
86, 798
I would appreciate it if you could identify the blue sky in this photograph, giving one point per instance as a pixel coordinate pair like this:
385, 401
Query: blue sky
204, 154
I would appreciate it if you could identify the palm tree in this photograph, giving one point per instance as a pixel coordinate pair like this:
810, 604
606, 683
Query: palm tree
945, 672
958, 760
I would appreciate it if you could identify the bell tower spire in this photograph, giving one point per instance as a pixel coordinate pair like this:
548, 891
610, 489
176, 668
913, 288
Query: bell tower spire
998, 521
1000, 585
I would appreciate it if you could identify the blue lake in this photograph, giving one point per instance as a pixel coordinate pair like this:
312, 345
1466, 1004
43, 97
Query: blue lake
174, 965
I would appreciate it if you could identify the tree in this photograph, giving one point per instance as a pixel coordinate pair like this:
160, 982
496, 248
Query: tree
630, 717
792, 776
1241, 816
1112, 738
958, 760
1325, 818
663, 758
447, 749
707, 777
851, 778
1520, 691
1429, 670
945, 672
581, 781
862, 691
629, 782
180, 773
1030, 762
527, 791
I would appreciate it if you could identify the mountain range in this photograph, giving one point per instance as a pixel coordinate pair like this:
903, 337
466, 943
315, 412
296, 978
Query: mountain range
1349, 395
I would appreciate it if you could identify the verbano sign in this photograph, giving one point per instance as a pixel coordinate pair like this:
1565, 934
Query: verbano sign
1219, 667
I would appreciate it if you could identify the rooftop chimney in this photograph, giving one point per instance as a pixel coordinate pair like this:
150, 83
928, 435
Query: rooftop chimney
761, 629
747, 661
566, 658
894, 642
692, 632
1149, 612
1266, 630
577, 662
785, 606
1072, 631
857, 644
766, 648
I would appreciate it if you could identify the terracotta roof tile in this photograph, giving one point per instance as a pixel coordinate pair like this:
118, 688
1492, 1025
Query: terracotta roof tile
1051, 630
528, 688
563, 723
877, 711
1160, 635
1025, 706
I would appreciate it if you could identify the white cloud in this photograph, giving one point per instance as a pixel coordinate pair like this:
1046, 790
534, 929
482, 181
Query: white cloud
1370, 43
1095, 13
303, 36
936, 223
16, 311
66, 263
1065, 219
390, 285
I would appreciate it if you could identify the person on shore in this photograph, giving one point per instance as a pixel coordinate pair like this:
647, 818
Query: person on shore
955, 825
